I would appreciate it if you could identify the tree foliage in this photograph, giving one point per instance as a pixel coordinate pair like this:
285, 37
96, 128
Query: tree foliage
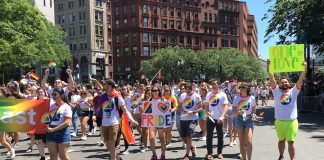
234, 64
297, 21
27, 38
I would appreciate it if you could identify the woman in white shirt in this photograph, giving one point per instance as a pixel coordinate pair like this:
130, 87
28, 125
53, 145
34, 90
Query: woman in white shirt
84, 113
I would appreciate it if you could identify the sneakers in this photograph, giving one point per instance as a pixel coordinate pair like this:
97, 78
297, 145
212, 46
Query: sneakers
193, 151
225, 134
168, 146
234, 142
84, 138
281, 158
100, 143
94, 130
203, 138
186, 157
12, 153
125, 152
144, 150
209, 157
220, 156
184, 145
89, 133
73, 134
231, 144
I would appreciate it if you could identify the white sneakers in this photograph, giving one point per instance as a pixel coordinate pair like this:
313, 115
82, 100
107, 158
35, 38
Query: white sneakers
203, 138
84, 138
73, 134
144, 150
231, 144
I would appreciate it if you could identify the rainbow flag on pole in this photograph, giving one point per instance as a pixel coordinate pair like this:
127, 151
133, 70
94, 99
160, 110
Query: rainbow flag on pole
35, 76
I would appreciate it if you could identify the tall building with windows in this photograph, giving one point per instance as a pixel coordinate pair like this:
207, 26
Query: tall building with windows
46, 7
88, 27
142, 27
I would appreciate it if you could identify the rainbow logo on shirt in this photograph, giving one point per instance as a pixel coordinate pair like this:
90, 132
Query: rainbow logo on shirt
188, 103
285, 99
109, 107
147, 107
244, 104
213, 101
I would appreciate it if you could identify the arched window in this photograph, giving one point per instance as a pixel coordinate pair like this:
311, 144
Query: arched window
207, 4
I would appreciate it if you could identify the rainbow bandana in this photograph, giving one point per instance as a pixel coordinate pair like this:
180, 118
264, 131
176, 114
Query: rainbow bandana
188, 103
213, 101
285, 99
244, 104
17, 115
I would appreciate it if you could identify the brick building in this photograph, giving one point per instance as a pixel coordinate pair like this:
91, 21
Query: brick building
143, 26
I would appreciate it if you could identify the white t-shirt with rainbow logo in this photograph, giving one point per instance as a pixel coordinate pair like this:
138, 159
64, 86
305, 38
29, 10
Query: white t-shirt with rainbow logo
189, 103
285, 103
215, 103
246, 103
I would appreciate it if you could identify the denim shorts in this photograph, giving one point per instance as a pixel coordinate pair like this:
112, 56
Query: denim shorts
230, 121
240, 124
62, 136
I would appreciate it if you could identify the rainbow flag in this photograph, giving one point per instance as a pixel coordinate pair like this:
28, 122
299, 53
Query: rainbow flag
126, 130
19, 115
51, 64
35, 76
147, 107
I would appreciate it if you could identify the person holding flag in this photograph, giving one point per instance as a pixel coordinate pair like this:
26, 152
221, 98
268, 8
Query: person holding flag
286, 111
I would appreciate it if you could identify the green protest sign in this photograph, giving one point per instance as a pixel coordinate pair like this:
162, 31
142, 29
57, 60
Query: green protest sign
286, 58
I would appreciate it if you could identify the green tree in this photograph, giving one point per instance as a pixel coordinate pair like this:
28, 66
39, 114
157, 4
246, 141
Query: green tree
27, 38
234, 64
296, 22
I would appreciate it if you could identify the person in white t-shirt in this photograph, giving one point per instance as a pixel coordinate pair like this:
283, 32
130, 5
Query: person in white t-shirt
58, 135
111, 115
244, 109
84, 112
216, 106
263, 93
189, 105
286, 111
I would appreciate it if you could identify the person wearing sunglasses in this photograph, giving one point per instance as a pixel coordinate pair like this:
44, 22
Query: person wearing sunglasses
58, 135
216, 106
84, 112
190, 104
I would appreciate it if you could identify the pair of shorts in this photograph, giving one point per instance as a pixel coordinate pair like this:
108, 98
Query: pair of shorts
202, 115
241, 124
185, 129
41, 137
286, 129
138, 118
83, 113
230, 121
62, 136
110, 133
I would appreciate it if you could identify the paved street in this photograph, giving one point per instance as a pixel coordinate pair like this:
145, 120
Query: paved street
310, 143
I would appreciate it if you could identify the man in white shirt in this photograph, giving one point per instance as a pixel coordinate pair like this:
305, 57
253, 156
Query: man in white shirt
286, 111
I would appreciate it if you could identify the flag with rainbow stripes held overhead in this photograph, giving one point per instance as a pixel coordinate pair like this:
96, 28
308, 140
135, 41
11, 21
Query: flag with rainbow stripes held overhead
52, 65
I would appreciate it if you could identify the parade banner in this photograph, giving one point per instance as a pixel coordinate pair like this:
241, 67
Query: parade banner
18, 115
286, 58
156, 114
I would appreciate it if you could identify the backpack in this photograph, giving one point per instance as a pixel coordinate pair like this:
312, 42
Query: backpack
120, 111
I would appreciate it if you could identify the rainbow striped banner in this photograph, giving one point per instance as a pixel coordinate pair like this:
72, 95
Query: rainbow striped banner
18, 115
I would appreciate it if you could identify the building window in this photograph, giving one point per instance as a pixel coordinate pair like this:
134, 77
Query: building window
210, 44
215, 43
210, 17
206, 16
133, 21
215, 18
197, 41
206, 43
154, 49
234, 43
178, 12
81, 3
179, 25
83, 29
60, 6
155, 22
225, 19
154, 10
116, 11
163, 38
126, 51
224, 43
234, 31
117, 39
249, 44
171, 24
117, 23
188, 26
145, 22
164, 11
181, 39
172, 39
145, 37
82, 15
99, 16
171, 12
224, 30
71, 31
125, 38
134, 51
61, 19
110, 60
155, 38
125, 22
145, 8
125, 10
133, 8
196, 27
71, 4
134, 37
117, 52
146, 51
189, 40
195, 14
164, 24
187, 13
98, 3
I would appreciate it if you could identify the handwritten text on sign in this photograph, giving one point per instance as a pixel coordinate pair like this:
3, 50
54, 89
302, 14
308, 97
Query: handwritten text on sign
156, 113
286, 58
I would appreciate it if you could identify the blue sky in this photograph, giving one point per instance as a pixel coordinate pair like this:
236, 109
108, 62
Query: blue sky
258, 9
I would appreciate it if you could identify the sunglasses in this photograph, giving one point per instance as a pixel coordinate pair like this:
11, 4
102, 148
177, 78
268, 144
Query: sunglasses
154, 90
83, 93
123, 89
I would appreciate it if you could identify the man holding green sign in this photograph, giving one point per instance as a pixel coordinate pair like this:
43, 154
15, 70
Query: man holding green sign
286, 59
